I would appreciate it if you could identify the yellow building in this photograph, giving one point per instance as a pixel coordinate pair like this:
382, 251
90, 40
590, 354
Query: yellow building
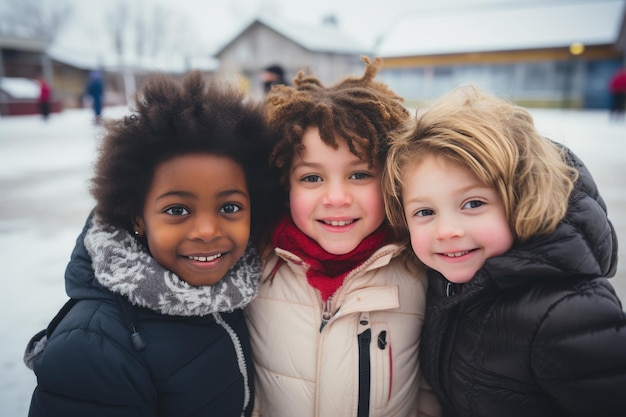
552, 53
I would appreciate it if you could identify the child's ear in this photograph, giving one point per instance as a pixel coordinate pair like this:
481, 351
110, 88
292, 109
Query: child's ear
139, 226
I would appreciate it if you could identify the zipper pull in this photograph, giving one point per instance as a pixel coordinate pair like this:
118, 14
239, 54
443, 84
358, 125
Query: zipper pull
382, 340
326, 316
452, 289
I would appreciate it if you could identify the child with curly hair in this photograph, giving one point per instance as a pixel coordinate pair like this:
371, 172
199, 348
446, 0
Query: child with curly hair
336, 326
520, 318
165, 265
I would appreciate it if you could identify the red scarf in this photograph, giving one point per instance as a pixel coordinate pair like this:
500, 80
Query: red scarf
326, 271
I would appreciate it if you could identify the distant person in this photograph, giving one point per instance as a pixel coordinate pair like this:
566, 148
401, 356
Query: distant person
95, 89
162, 271
617, 87
273, 75
45, 96
520, 317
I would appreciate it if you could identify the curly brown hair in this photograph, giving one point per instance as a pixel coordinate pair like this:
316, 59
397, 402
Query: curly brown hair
359, 110
173, 118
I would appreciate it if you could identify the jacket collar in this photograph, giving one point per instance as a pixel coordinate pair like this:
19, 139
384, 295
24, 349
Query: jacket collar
379, 259
123, 266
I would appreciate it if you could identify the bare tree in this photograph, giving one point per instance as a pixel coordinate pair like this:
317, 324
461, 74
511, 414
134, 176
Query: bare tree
36, 19
178, 37
143, 34
157, 37
118, 21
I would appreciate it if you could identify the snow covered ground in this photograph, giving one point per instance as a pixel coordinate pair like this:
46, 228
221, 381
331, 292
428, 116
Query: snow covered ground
44, 173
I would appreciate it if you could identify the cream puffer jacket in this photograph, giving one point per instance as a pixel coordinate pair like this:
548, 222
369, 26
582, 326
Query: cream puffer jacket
363, 361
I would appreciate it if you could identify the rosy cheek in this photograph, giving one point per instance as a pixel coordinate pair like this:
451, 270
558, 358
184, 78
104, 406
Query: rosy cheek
295, 204
415, 244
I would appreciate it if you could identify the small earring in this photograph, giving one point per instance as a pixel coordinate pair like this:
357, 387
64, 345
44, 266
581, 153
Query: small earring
136, 233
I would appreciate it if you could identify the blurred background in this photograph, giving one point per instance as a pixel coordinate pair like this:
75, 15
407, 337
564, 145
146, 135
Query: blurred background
539, 53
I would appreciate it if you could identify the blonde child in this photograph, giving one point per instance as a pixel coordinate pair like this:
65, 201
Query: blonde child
163, 269
336, 325
520, 318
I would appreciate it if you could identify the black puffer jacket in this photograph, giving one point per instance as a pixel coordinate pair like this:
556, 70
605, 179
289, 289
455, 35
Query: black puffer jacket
196, 362
537, 332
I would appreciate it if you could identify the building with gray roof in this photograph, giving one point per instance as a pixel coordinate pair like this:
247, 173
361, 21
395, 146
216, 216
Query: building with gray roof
545, 53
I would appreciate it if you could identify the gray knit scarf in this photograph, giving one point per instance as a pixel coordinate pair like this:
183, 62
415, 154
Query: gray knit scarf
124, 266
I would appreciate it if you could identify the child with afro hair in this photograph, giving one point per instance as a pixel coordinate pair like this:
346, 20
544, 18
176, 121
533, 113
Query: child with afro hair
336, 326
165, 265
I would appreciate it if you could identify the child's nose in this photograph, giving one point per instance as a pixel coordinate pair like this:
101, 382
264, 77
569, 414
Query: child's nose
448, 227
337, 194
205, 226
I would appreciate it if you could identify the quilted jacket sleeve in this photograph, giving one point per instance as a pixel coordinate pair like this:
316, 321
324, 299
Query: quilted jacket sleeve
84, 373
582, 340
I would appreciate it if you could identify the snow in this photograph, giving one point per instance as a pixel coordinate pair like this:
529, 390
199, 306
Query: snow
44, 172
17, 87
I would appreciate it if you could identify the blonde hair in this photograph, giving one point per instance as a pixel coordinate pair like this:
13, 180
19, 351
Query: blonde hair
497, 141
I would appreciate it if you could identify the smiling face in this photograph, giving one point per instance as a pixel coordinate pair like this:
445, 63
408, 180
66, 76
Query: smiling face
196, 217
455, 221
334, 197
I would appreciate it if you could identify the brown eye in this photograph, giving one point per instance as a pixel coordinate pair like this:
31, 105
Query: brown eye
311, 178
177, 211
230, 208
